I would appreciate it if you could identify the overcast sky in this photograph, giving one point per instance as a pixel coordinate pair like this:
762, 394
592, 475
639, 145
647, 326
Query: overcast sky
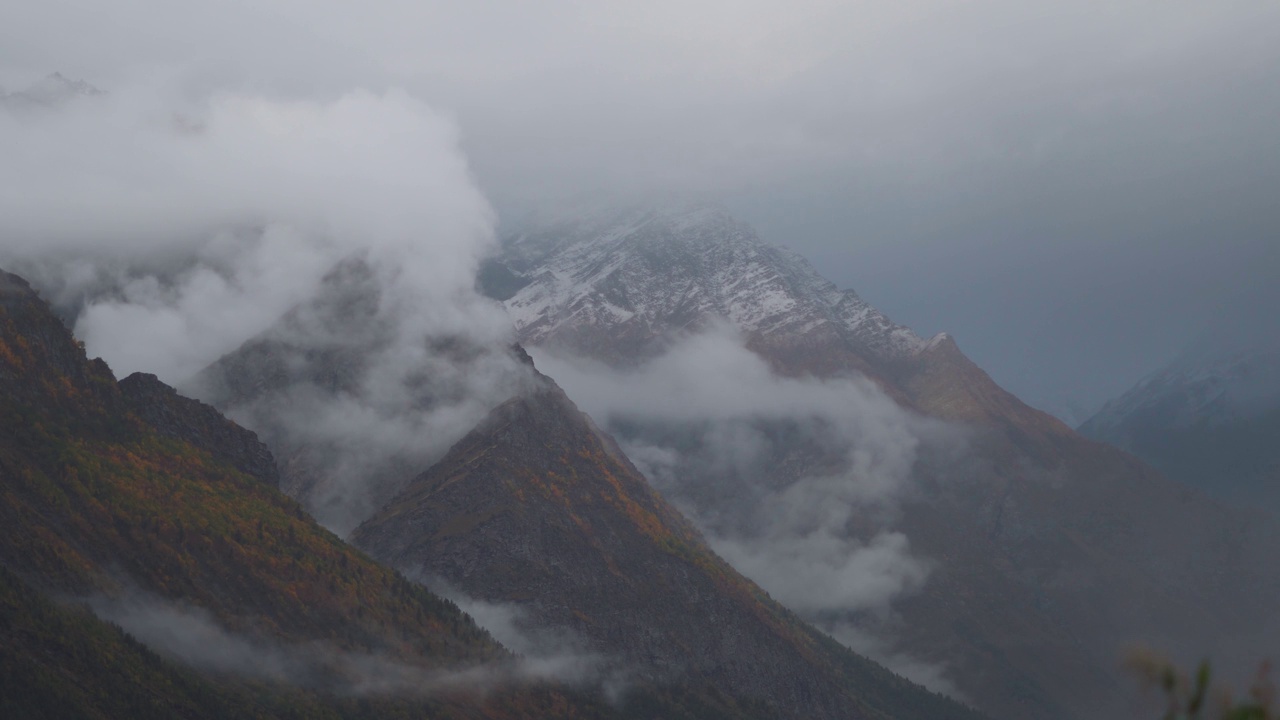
1073, 189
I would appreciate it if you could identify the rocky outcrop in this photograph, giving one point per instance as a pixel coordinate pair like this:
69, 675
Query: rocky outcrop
43, 365
199, 425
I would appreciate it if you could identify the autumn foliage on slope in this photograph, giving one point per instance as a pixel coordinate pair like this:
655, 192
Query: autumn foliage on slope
96, 503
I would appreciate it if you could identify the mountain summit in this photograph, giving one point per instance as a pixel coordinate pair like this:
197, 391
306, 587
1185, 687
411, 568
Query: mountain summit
621, 286
1047, 553
612, 284
1211, 419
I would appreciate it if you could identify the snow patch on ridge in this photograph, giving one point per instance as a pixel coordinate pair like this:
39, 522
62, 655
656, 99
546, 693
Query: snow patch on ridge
666, 269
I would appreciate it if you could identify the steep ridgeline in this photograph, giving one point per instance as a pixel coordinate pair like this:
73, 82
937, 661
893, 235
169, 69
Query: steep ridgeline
535, 508
349, 406
620, 287
275, 381
1049, 553
1210, 419
615, 287
198, 425
161, 515
538, 508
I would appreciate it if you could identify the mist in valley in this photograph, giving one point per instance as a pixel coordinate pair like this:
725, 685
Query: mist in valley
282, 209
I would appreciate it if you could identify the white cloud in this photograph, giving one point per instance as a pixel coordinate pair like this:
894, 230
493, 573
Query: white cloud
227, 212
794, 481
176, 227
917, 149
192, 635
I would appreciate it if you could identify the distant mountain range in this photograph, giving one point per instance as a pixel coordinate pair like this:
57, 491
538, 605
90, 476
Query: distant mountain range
1210, 419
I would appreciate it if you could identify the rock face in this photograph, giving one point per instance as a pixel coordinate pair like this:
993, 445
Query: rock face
43, 364
536, 508
199, 425
1050, 552
539, 508
617, 287
160, 525
1211, 419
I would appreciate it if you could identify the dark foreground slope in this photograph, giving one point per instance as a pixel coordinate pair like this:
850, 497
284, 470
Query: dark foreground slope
538, 508
59, 660
98, 504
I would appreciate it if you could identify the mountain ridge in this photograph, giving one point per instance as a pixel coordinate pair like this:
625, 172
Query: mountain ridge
537, 309
1208, 419
513, 502
512, 522
98, 505
1053, 532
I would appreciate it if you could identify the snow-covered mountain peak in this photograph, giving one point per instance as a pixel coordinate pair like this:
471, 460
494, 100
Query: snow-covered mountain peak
619, 279
1200, 389
1210, 418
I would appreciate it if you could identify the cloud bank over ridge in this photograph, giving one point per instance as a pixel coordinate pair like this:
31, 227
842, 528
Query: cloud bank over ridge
171, 229
794, 481
181, 231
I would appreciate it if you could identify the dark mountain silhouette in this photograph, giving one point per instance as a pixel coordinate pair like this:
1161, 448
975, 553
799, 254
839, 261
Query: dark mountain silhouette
129, 496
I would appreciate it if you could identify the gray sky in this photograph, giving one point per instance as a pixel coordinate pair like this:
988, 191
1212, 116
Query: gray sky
1071, 189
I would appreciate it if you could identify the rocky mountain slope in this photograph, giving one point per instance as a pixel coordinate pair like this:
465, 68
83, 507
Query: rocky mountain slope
621, 286
150, 508
1049, 552
534, 509
538, 508
1210, 419
349, 414
610, 286
198, 425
